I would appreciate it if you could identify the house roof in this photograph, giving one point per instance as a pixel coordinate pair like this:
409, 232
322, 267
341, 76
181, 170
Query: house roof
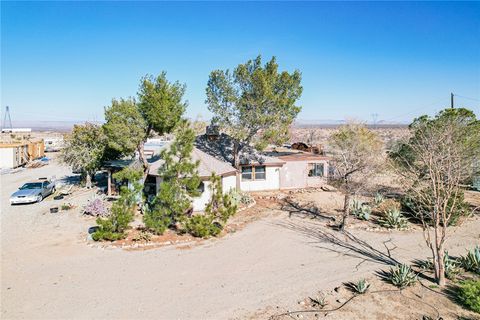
221, 148
299, 156
207, 166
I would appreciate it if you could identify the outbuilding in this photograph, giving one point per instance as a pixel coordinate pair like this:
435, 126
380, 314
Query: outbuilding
13, 155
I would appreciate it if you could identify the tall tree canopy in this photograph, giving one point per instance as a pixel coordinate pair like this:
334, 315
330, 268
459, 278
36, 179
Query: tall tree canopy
84, 149
356, 152
442, 153
159, 109
255, 104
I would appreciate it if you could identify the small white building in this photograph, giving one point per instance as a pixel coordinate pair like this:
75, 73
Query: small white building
13, 155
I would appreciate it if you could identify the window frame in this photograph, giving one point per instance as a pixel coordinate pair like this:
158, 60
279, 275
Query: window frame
253, 173
313, 167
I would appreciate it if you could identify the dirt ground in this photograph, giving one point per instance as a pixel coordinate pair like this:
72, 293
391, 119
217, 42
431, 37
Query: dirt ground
281, 256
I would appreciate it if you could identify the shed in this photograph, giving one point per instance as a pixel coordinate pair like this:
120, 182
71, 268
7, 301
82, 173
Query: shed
13, 155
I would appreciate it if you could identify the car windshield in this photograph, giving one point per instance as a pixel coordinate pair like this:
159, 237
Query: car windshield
32, 185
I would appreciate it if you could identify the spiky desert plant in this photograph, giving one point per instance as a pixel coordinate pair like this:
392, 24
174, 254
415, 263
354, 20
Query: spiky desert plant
360, 210
361, 286
318, 302
471, 262
379, 198
402, 276
452, 268
393, 219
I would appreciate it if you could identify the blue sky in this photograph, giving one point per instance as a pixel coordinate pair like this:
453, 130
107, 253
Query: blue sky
67, 60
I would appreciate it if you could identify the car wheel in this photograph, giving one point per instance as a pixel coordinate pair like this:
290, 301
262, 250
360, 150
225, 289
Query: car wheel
40, 198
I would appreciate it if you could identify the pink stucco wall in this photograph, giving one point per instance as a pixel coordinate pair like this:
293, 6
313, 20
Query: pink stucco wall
294, 174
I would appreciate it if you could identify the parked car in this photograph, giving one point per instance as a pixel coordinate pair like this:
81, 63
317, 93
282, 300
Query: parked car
33, 191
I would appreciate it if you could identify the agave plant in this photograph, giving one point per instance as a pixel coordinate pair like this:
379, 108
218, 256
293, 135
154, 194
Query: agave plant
379, 198
402, 276
471, 262
318, 302
360, 286
360, 210
452, 268
393, 219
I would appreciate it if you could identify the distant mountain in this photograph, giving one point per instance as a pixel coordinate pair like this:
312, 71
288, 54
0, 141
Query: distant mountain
60, 126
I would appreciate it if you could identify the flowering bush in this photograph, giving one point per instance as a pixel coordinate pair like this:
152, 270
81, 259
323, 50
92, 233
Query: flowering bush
96, 208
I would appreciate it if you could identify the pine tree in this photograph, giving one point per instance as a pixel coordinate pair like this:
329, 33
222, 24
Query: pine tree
180, 182
220, 206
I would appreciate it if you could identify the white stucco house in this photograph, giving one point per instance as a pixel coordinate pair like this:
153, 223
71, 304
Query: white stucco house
258, 171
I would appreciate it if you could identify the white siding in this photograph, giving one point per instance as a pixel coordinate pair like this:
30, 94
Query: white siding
229, 183
200, 202
271, 182
7, 158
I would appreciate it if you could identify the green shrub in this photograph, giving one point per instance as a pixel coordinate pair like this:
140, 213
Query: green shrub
114, 227
156, 220
402, 276
457, 207
471, 262
393, 219
202, 226
468, 294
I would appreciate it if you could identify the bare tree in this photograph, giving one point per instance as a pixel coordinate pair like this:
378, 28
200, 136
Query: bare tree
439, 156
356, 154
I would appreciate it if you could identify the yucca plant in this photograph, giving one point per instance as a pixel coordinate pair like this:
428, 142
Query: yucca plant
393, 219
402, 276
360, 286
471, 262
379, 198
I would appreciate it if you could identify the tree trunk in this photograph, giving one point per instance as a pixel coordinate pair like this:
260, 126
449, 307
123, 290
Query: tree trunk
143, 159
346, 210
88, 182
441, 266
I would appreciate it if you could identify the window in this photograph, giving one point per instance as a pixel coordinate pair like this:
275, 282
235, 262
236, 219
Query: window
247, 173
201, 187
253, 173
315, 169
260, 173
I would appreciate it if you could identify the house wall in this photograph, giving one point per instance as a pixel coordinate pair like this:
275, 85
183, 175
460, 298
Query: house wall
229, 183
6, 158
199, 203
294, 175
271, 182
14, 156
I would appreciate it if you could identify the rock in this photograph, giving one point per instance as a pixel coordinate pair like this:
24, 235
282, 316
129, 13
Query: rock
302, 303
341, 300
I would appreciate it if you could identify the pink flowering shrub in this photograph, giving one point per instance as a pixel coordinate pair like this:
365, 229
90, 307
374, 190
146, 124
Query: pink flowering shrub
96, 208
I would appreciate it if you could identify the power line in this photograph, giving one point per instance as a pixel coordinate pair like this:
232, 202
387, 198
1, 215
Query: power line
468, 98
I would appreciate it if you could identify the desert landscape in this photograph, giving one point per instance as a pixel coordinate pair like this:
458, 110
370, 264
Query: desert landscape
273, 258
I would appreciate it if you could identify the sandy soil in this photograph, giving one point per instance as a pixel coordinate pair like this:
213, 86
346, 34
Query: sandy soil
49, 272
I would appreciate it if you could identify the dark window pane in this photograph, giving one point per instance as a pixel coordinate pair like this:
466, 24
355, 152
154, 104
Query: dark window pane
246, 173
260, 173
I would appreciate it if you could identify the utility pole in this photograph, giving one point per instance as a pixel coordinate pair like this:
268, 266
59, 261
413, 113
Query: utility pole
451, 100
